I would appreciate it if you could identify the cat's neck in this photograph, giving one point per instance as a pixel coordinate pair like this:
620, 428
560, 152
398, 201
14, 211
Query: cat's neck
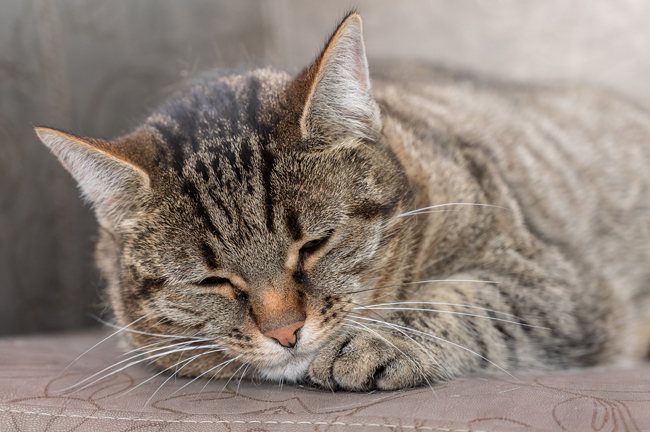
451, 215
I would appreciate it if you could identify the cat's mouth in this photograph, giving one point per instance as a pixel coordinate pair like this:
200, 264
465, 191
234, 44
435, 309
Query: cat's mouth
293, 364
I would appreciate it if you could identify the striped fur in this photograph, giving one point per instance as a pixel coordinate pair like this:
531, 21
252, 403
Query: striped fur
250, 202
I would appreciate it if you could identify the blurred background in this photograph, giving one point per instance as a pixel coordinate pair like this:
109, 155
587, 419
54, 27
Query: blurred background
98, 67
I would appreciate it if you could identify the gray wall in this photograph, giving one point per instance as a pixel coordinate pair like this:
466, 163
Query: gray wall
97, 67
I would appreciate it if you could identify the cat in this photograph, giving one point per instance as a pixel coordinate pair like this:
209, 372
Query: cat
319, 229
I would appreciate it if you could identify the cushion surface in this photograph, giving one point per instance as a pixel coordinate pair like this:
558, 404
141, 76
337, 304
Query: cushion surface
33, 373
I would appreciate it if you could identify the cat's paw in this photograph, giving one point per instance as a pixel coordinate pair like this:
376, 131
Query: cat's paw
364, 362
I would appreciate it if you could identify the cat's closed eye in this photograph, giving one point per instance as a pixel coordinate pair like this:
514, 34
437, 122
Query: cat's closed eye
312, 246
213, 281
221, 286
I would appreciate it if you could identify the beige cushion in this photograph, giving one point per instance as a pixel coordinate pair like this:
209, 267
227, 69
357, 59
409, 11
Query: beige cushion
31, 378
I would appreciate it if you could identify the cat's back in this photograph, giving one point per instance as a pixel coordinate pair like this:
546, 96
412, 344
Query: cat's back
576, 159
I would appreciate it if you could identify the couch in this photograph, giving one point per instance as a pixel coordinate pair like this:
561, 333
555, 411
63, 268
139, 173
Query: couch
36, 370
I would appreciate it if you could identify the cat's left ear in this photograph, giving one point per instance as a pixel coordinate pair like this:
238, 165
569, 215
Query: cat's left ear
339, 103
105, 171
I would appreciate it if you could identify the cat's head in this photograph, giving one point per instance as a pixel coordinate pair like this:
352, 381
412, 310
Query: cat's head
251, 212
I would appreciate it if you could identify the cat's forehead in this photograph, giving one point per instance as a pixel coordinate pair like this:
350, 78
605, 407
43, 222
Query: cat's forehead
231, 171
220, 117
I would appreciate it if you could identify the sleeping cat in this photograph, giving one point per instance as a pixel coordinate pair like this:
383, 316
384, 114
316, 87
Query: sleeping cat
317, 229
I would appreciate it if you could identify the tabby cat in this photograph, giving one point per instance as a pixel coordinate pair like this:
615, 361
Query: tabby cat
316, 229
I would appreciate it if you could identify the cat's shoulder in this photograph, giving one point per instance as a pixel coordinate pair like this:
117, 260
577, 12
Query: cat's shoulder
416, 76
401, 87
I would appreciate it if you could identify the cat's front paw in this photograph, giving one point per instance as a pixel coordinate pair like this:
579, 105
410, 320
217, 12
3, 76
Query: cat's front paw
364, 362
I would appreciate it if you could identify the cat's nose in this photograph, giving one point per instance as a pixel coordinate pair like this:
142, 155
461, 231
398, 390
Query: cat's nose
285, 335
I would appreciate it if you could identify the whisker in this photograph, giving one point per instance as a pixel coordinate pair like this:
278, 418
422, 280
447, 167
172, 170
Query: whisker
242, 377
442, 304
415, 342
401, 352
386, 295
425, 209
224, 363
143, 347
180, 361
103, 370
150, 334
440, 339
206, 384
128, 366
231, 377
120, 329
377, 307
453, 313
187, 362
423, 281
174, 345
426, 351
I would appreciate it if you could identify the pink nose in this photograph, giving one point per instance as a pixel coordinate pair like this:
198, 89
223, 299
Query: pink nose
285, 335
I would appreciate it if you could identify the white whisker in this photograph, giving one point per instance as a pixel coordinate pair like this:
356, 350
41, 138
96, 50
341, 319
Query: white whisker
144, 347
127, 360
231, 377
440, 339
426, 351
242, 377
129, 365
442, 304
188, 361
382, 296
152, 334
224, 363
120, 329
424, 281
426, 209
364, 327
372, 307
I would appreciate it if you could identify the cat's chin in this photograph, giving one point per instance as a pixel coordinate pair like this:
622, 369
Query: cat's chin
292, 370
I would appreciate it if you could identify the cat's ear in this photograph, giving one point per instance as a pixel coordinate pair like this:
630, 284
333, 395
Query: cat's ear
339, 102
106, 177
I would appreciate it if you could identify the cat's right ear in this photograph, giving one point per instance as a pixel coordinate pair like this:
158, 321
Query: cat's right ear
336, 90
106, 177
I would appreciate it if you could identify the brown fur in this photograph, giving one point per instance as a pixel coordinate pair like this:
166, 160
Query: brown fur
252, 202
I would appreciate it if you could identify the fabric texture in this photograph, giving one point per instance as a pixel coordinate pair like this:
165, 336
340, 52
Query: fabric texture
34, 371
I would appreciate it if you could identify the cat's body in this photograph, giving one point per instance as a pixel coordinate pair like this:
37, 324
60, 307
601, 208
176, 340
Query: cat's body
571, 162
273, 222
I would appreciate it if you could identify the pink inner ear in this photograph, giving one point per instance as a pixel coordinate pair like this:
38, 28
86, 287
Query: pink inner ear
348, 54
355, 64
340, 104
104, 175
